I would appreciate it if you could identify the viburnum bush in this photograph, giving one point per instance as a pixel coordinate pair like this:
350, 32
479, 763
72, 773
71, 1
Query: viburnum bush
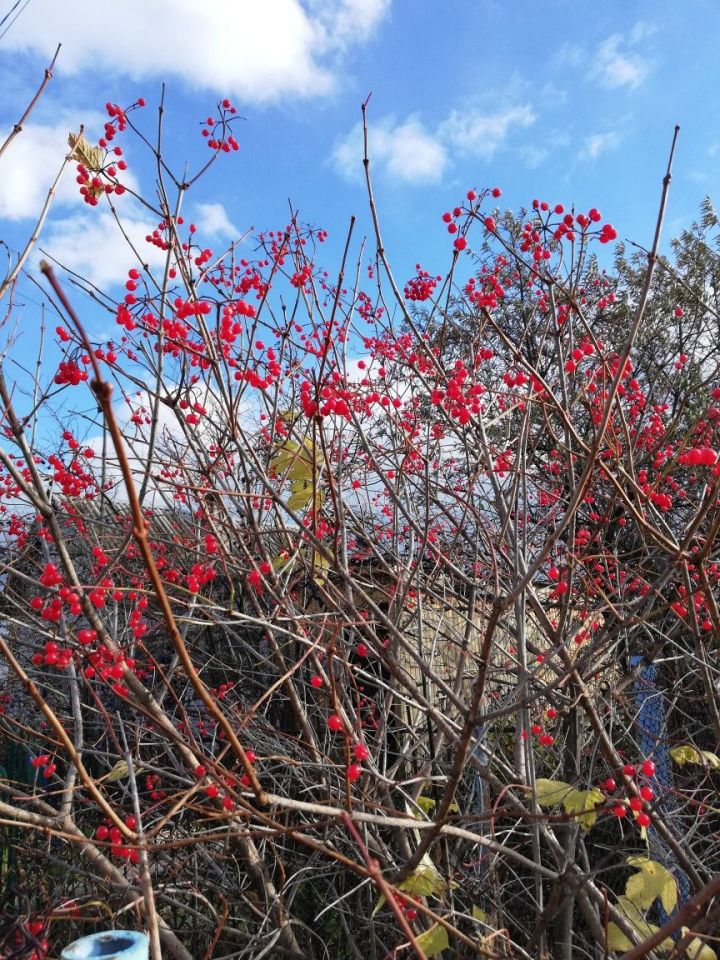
349, 615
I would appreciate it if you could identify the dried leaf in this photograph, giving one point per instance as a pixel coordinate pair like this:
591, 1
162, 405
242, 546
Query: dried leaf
84, 152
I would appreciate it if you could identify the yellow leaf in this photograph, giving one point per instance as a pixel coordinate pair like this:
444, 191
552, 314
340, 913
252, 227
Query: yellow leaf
582, 803
479, 914
685, 754
294, 462
652, 880
712, 759
426, 804
433, 941
424, 882
617, 939
300, 495
84, 152
549, 793
697, 950
119, 771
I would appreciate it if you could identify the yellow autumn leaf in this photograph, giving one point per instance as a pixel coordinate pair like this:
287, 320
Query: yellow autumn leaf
84, 152
652, 880
433, 941
617, 939
686, 753
425, 881
479, 914
579, 803
697, 950
292, 461
549, 793
582, 803
426, 804
119, 771
301, 494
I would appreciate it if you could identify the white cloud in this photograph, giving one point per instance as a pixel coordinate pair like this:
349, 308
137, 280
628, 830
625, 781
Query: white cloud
253, 51
616, 62
409, 152
91, 245
534, 156
599, 143
212, 220
481, 133
616, 66
406, 150
33, 160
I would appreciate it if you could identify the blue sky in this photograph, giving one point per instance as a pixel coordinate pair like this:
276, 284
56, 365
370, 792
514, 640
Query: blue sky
564, 100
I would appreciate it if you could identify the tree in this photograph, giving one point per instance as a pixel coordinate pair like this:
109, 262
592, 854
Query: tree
373, 617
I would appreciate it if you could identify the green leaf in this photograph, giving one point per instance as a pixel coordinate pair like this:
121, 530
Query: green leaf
652, 880
84, 152
433, 941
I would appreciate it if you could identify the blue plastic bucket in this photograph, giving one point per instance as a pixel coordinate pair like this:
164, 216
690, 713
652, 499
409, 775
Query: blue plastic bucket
111, 945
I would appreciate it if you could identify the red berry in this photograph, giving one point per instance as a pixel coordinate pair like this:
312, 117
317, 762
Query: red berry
620, 810
334, 723
609, 785
316, 681
130, 821
648, 768
635, 803
360, 751
200, 771
643, 820
354, 771
629, 770
647, 793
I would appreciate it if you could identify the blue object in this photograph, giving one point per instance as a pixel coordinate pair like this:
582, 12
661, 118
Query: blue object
110, 945
652, 741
